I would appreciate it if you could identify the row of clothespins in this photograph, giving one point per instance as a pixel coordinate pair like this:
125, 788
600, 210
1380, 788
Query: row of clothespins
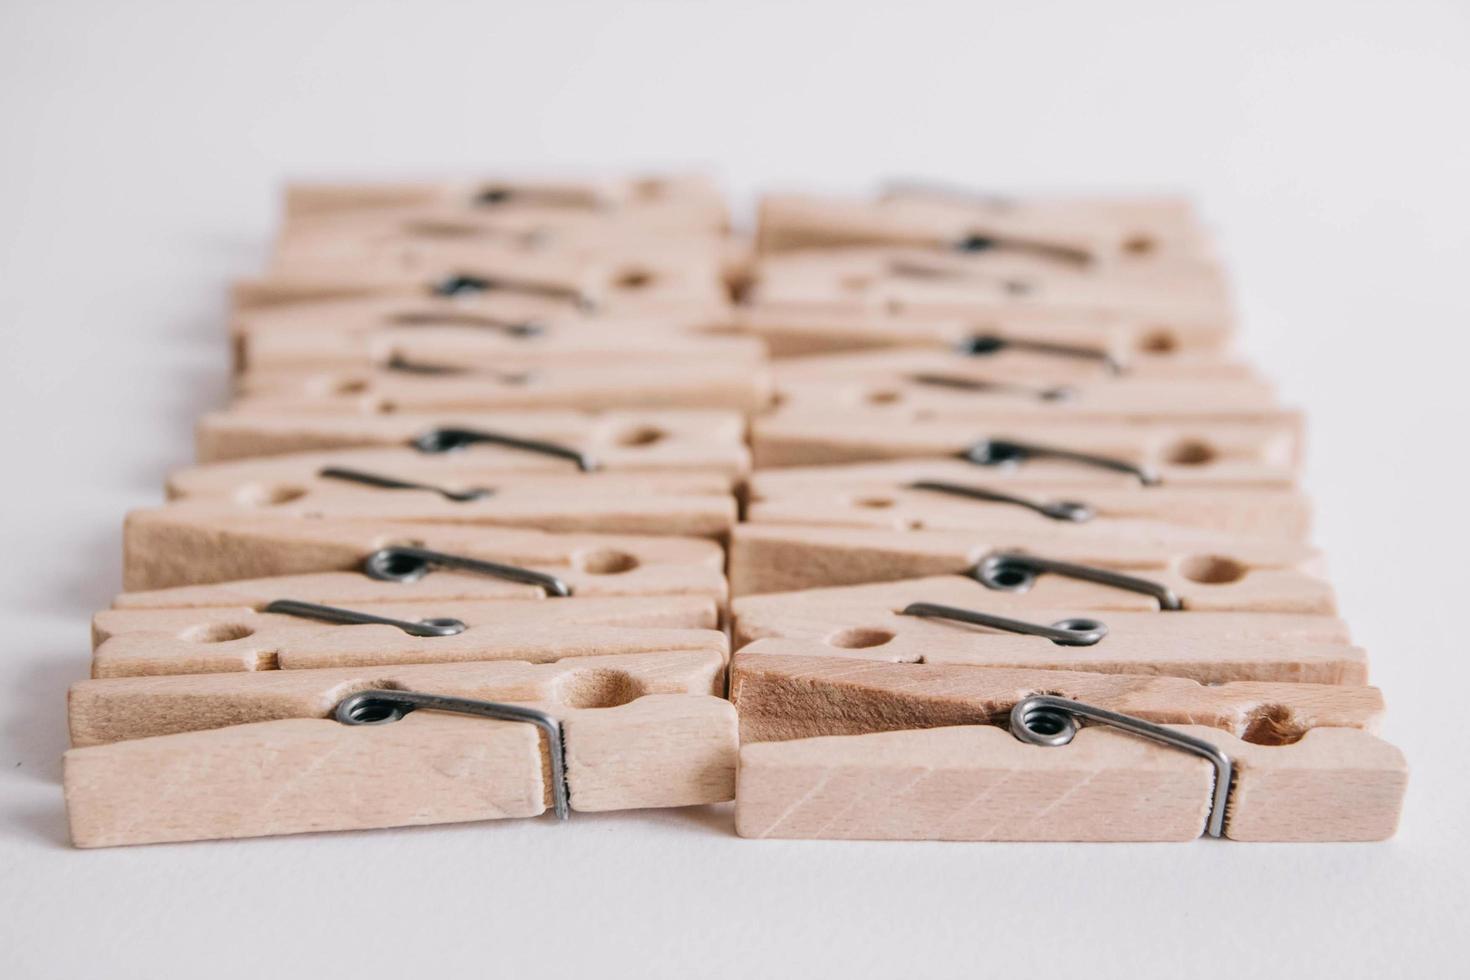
1006, 542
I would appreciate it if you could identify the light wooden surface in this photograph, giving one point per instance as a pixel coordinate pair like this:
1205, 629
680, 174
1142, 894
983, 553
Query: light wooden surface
181, 545
617, 440
881, 495
980, 783
1207, 570
299, 775
1213, 454
1211, 648
693, 383
132, 642
118, 708
566, 507
802, 691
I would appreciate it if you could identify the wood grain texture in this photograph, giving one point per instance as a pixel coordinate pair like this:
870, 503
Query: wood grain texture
299, 775
787, 695
193, 641
682, 440
879, 495
1204, 454
568, 509
115, 709
1207, 570
187, 545
980, 783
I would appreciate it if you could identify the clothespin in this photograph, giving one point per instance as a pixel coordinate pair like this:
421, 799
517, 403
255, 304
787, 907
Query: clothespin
928, 387
921, 752
246, 755
1154, 453
344, 494
677, 200
455, 269
1113, 342
1065, 232
549, 442
1002, 367
289, 634
899, 280
185, 545
953, 495
406, 386
380, 332
1200, 569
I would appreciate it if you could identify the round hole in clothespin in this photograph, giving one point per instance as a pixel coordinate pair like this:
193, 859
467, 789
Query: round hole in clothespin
1212, 569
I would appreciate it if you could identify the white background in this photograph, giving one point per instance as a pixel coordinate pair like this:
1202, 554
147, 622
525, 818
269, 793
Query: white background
140, 148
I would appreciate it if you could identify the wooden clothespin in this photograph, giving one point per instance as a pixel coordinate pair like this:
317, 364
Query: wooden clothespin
1200, 569
248, 755
380, 332
1067, 232
449, 269
793, 689
946, 620
294, 634
401, 495
979, 362
896, 280
404, 386
940, 389
953, 495
1087, 757
677, 200
1118, 342
1148, 454
503, 441
184, 545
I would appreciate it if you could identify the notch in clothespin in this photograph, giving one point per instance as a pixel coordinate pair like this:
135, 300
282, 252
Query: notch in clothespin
1071, 770
953, 495
1146, 454
400, 493
941, 620
289, 633
504, 441
182, 545
253, 755
411, 386
1057, 563
658, 200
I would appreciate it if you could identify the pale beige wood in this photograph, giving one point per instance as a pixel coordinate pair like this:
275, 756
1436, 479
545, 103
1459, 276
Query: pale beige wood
1200, 454
905, 399
682, 440
563, 510
1207, 570
466, 342
980, 783
1020, 365
926, 282
176, 545
879, 495
802, 691
1211, 648
970, 783
275, 480
658, 199
793, 221
118, 708
692, 383
300, 775
1143, 345
137, 642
